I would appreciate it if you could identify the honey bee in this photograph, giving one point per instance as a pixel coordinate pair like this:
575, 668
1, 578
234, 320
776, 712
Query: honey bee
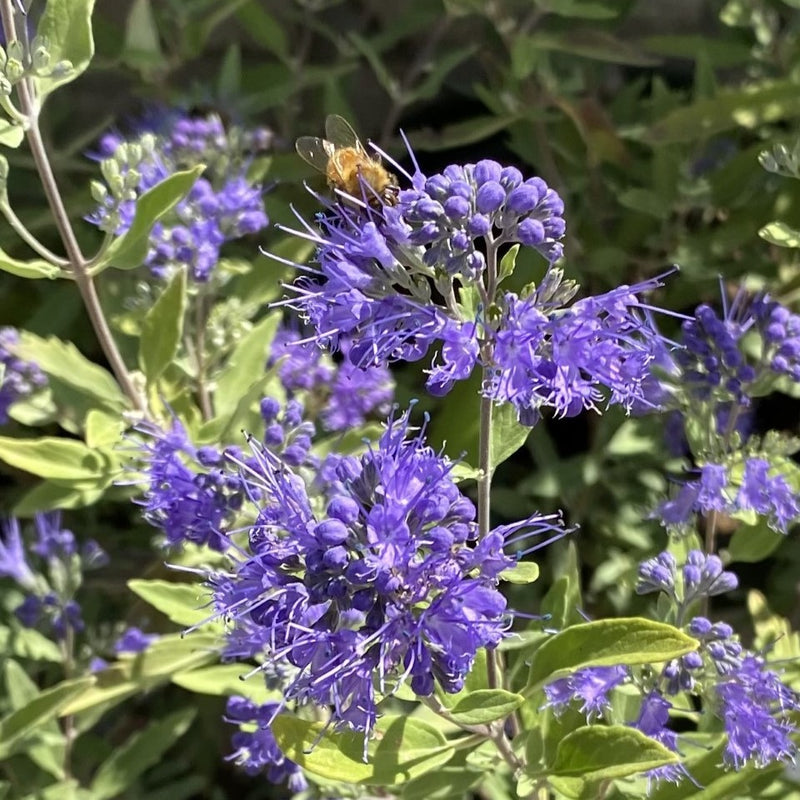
347, 165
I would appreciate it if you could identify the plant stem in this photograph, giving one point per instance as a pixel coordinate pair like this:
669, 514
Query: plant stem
203, 394
29, 106
19, 228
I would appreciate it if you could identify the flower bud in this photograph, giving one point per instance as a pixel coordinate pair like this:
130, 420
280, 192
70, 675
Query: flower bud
99, 191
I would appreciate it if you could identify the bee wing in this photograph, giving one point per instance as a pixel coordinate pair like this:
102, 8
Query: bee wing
315, 151
339, 131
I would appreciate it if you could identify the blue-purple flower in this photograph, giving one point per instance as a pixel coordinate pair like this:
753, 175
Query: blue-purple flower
753, 705
590, 686
255, 748
760, 489
598, 350
451, 211
378, 582
188, 495
18, 378
134, 640
221, 206
49, 571
347, 394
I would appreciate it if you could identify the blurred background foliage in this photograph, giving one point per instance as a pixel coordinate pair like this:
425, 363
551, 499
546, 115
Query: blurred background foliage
648, 119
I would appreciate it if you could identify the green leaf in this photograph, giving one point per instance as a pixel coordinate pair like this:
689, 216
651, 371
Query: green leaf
141, 751
595, 44
225, 680
523, 572
36, 268
748, 108
179, 601
599, 752
67, 24
11, 135
580, 9
49, 495
780, 234
265, 30
59, 459
606, 642
403, 748
21, 689
142, 48
165, 658
103, 429
64, 361
42, 708
508, 435
162, 328
130, 250
29, 643
752, 543
507, 263
451, 782
246, 365
485, 705
460, 134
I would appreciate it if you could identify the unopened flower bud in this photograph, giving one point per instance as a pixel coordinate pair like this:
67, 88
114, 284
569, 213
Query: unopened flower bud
40, 60
14, 70
99, 191
61, 69
16, 51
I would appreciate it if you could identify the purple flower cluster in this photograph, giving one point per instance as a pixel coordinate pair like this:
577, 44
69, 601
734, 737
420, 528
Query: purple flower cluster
386, 585
769, 495
193, 493
780, 331
449, 212
598, 349
751, 701
188, 495
713, 363
347, 394
18, 378
222, 205
134, 640
50, 586
378, 270
255, 749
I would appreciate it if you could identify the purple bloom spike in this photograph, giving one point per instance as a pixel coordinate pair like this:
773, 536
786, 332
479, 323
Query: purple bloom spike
381, 578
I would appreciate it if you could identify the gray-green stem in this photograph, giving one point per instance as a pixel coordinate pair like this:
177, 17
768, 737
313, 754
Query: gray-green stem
29, 107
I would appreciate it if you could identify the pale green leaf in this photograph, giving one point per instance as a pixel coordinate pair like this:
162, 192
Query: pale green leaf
599, 752
226, 680
780, 234
165, 658
606, 642
11, 135
523, 572
130, 250
48, 495
64, 361
162, 328
246, 365
140, 752
35, 268
67, 25
402, 748
508, 435
63, 460
45, 706
485, 705
103, 429
181, 602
